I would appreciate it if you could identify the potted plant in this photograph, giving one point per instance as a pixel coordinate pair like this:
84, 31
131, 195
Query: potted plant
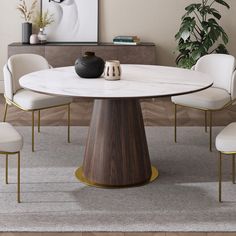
200, 32
27, 14
42, 20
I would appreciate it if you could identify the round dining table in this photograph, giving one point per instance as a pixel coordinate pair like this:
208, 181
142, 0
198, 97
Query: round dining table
116, 153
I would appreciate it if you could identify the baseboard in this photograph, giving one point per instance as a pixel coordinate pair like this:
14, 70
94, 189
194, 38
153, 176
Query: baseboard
1, 86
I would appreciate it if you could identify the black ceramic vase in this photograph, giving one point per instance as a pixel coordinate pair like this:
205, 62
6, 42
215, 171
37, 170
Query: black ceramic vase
26, 32
89, 66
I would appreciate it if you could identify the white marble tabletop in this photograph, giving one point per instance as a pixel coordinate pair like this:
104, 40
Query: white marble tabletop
137, 81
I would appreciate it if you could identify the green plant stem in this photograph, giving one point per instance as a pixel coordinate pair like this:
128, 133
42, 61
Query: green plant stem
204, 5
212, 51
195, 36
198, 30
212, 3
197, 16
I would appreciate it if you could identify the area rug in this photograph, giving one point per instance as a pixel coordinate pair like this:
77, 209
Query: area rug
183, 198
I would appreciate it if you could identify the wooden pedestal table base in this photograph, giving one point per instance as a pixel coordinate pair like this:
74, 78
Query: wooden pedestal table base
116, 152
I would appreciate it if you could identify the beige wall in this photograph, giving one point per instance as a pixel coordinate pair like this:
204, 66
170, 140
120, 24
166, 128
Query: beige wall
153, 20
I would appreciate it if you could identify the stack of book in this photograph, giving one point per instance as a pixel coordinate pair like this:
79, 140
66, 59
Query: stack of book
126, 40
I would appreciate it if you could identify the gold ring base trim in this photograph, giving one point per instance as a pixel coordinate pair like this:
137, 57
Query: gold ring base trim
80, 176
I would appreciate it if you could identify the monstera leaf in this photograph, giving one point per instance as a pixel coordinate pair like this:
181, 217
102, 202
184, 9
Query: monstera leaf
200, 33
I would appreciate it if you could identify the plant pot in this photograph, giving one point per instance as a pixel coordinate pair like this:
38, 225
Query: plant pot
89, 66
26, 32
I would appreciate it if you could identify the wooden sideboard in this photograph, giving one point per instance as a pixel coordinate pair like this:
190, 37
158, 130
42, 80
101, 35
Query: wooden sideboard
59, 55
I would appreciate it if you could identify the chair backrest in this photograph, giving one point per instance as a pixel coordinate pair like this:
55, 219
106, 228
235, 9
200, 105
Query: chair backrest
220, 67
22, 64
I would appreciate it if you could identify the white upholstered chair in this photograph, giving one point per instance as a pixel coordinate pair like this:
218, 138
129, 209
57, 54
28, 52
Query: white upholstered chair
11, 143
16, 67
222, 94
226, 144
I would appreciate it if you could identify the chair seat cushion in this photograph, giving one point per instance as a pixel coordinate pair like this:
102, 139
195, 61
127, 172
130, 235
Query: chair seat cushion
226, 139
10, 140
209, 99
29, 100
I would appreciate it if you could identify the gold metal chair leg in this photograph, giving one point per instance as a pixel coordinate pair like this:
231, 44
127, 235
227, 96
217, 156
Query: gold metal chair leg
175, 132
18, 178
5, 112
210, 127
206, 121
220, 177
39, 120
6, 168
32, 131
68, 137
233, 169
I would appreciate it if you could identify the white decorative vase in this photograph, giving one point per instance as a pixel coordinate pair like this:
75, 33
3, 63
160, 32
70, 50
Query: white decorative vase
112, 70
34, 39
42, 36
